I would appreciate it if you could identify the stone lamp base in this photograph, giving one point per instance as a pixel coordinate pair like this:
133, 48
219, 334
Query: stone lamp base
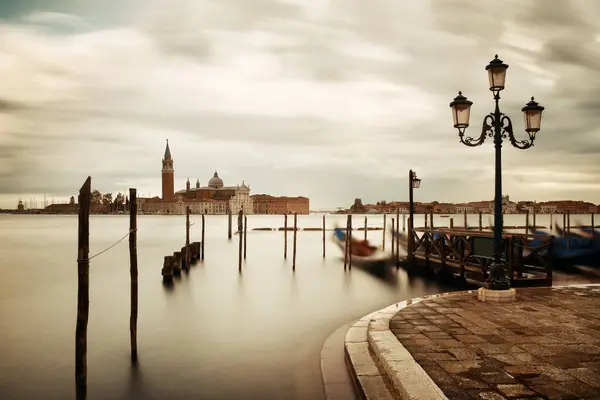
496, 296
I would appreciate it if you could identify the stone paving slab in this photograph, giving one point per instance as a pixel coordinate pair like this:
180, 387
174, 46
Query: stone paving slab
545, 345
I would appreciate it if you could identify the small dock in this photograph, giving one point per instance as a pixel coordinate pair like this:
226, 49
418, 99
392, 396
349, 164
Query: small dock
467, 255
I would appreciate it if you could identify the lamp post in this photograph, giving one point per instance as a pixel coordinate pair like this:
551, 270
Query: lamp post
498, 126
413, 183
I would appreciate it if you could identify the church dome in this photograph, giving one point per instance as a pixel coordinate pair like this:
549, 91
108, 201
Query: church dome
215, 182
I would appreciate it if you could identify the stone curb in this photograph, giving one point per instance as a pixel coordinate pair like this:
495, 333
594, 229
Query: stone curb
370, 382
389, 361
408, 378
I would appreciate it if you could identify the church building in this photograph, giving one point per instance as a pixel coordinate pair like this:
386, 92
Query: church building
214, 198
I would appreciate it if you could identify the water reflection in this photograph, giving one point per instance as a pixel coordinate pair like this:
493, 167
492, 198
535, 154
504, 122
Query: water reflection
168, 286
136, 381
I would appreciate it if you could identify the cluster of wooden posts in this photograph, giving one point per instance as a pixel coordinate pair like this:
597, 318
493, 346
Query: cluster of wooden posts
83, 284
189, 254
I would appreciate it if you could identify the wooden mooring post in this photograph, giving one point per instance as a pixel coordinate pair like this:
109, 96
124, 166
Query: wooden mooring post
451, 223
403, 222
202, 237
568, 229
480, 221
133, 272
229, 222
431, 220
188, 258
366, 227
534, 221
397, 240
465, 220
526, 221
323, 235
425, 221
245, 232
384, 231
285, 236
294, 243
240, 234
592, 225
83, 289
393, 241
350, 242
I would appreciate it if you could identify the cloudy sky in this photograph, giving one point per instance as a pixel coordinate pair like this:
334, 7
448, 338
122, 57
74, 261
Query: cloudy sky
331, 99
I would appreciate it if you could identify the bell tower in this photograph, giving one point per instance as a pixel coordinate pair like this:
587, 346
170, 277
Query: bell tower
168, 176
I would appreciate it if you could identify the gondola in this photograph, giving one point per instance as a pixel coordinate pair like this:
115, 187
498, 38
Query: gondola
375, 256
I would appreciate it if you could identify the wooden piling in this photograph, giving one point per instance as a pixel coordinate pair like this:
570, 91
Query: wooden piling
187, 238
294, 243
393, 241
480, 221
83, 289
384, 231
366, 227
133, 272
534, 221
592, 225
177, 266
323, 235
403, 222
398, 240
465, 221
167, 271
350, 243
285, 236
241, 239
451, 223
347, 242
526, 221
178, 257
568, 230
431, 220
202, 237
245, 231
425, 221
551, 222
229, 222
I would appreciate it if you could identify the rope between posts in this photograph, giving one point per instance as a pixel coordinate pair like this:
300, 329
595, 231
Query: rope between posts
111, 246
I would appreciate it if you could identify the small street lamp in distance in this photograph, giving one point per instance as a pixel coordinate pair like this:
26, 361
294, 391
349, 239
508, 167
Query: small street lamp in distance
498, 126
413, 183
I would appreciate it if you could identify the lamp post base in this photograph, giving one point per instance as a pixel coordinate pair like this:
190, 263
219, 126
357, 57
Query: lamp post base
496, 296
498, 279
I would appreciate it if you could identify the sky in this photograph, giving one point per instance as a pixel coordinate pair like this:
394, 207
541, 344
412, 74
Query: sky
329, 99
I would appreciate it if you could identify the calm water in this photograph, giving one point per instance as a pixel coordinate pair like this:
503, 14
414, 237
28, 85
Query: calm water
217, 334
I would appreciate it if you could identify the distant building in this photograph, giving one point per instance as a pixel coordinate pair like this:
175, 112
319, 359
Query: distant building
62, 208
214, 198
267, 204
570, 206
20, 206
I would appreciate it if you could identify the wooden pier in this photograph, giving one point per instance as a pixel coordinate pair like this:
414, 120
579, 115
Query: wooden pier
467, 255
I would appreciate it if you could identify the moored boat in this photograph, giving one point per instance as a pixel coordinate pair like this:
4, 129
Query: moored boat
362, 252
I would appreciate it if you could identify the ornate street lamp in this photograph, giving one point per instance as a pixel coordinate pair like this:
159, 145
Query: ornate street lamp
413, 183
497, 126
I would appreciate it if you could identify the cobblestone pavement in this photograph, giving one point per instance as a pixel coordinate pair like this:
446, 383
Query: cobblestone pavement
545, 345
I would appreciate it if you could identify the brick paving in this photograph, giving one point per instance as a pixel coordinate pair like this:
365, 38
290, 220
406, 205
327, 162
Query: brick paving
545, 345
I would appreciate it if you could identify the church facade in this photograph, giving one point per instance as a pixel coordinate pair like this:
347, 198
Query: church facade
214, 198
